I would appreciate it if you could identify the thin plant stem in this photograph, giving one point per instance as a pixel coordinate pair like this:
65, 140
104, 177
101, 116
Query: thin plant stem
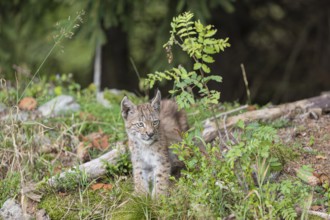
35, 74
212, 111
135, 68
246, 84
70, 26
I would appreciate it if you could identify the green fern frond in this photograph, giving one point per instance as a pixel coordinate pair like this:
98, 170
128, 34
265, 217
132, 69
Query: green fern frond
199, 42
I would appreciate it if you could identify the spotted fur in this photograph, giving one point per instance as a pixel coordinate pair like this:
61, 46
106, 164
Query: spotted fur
151, 128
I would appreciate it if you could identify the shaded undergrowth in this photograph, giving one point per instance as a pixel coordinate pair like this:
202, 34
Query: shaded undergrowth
240, 181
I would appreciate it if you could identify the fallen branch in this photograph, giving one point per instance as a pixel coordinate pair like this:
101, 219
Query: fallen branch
320, 102
316, 213
222, 114
93, 168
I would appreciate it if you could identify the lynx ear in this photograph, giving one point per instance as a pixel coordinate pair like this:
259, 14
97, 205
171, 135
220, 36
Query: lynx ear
155, 102
127, 107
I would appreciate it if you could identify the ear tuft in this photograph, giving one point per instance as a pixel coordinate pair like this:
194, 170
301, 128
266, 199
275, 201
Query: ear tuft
155, 102
126, 107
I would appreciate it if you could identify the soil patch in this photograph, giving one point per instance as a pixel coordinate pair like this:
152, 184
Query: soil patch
311, 138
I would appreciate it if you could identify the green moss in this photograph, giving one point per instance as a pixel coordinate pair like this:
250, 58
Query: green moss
314, 217
86, 204
55, 206
136, 208
74, 205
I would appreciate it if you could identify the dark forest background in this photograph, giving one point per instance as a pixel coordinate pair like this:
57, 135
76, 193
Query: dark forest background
283, 44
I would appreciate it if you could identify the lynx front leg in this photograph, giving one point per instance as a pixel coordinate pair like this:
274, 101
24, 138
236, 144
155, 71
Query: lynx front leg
141, 185
161, 180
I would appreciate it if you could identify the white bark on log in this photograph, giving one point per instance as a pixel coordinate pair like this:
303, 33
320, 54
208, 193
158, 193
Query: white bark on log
311, 212
93, 168
319, 214
319, 102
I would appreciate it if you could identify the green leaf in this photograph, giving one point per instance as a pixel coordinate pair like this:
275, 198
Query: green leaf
187, 34
177, 71
208, 27
209, 41
217, 48
185, 24
197, 66
58, 90
210, 33
198, 54
183, 30
213, 77
180, 85
305, 173
199, 26
172, 91
240, 124
207, 59
190, 98
183, 72
209, 50
214, 97
173, 25
205, 68
264, 153
275, 164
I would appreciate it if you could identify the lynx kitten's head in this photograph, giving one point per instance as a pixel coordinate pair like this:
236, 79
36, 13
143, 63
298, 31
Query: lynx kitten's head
142, 121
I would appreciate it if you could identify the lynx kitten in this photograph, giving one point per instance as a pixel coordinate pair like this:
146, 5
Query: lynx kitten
151, 128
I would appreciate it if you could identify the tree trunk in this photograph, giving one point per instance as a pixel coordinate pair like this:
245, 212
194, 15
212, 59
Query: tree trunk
97, 67
116, 70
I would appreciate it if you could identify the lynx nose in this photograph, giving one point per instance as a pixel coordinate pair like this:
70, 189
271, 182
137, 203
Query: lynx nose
150, 134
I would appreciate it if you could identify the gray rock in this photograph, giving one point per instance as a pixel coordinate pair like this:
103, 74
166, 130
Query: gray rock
42, 215
14, 116
100, 98
60, 105
12, 211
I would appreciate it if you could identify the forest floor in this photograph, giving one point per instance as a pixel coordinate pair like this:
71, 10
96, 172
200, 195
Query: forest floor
38, 148
313, 137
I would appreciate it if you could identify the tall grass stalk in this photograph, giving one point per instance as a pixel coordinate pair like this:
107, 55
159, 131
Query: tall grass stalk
65, 32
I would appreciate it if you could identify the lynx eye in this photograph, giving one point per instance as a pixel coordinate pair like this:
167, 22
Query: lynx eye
155, 123
140, 124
